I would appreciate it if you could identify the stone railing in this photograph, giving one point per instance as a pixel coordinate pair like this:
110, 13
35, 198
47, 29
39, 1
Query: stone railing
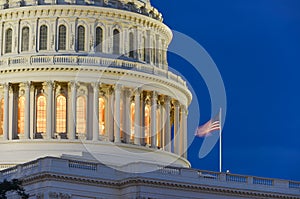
89, 61
208, 178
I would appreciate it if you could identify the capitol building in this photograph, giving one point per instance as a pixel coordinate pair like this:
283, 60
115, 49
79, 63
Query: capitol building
89, 108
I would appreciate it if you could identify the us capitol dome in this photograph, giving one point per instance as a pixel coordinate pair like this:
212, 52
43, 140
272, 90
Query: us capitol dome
89, 76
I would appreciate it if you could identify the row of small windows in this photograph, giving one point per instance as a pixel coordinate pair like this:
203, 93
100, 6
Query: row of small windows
62, 39
81, 42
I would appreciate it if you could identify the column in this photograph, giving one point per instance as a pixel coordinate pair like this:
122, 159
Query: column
160, 123
137, 118
153, 119
13, 113
27, 111
181, 131
72, 112
167, 125
5, 117
95, 86
176, 127
117, 114
142, 119
49, 116
185, 139
126, 115
32, 112
110, 116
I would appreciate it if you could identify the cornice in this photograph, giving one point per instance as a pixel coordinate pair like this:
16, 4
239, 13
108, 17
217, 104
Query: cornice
144, 181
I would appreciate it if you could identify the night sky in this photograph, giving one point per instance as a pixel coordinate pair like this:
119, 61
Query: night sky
256, 47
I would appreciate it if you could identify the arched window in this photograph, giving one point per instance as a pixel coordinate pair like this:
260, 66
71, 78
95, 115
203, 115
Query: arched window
62, 37
25, 39
1, 115
102, 116
132, 115
21, 109
99, 39
147, 124
116, 42
143, 49
80, 38
8, 40
131, 45
41, 114
61, 114
81, 115
43, 37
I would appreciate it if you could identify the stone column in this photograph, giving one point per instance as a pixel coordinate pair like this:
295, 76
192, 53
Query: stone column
110, 116
95, 86
49, 116
117, 114
12, 113
142, 119
181, 131
185, 139
153, 119
160, 121
72, 112
167, 125
176, 127
137, 118
27, 111
32, 112
126, 115
6, 111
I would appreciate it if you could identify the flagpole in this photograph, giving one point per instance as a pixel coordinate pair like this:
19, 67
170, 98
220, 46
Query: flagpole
220, 141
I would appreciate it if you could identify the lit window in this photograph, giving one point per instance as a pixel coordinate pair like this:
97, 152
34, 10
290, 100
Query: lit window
81, 115
21, 108
25, 39
80, 38
116, 42
131, 45
61, 114
132, 115
99, 39
43, 37
147, 124
41, 114
1, 115
8, 40
62, 37
102, 116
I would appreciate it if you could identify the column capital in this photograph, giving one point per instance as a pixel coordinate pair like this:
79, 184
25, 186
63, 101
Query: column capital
176, 103
110, 90
74, 84
27, 84
154, 95
137, 92
6, 86
167, 99
96, 85
118, 88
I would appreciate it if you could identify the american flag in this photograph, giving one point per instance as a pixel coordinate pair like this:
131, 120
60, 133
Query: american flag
210, 126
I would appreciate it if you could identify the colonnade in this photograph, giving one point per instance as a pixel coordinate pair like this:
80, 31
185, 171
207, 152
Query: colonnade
92, 111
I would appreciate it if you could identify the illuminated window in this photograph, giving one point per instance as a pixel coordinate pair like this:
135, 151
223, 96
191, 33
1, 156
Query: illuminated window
131, 45
116, 42
99, 39
21, 108
41, 114
80, 38
1, 115
43, 37
147, 124
8, 40
25, 39
81, 115
102, 116
62, 33
61, 114
132, 113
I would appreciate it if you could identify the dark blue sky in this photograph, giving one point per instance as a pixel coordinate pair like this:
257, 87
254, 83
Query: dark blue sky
256, 46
